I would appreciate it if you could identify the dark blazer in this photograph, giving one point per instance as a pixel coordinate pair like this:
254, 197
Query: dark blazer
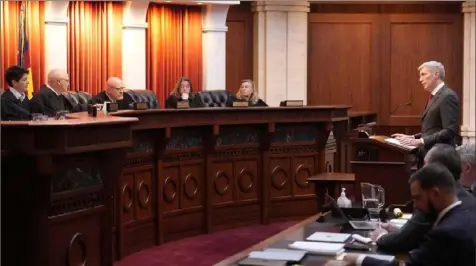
13, 109
171, 102
413, 232
259, 103
450, 242
102, 97
47, 102
440, 119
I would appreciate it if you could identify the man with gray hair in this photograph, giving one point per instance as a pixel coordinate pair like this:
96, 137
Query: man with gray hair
468, 167
440, 118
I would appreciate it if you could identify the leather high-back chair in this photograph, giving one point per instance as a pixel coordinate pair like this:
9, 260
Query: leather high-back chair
220, 98
143, 96
77, 101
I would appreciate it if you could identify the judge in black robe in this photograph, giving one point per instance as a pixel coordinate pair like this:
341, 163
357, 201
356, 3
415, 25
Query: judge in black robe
48, 102
247, 93
124, 103
114, 93
14, 102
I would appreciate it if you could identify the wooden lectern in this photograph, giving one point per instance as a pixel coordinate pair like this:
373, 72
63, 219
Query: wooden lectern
377, 161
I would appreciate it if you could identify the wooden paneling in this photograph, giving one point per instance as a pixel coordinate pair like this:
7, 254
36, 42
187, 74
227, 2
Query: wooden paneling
367, 55
239, 45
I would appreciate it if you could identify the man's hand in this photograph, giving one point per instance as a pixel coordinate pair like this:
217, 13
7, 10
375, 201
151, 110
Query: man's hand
410, 141
399, 135
351, 258
389, 227
377, 233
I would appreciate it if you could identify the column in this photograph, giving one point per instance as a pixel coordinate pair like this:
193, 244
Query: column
133, 44
280, 50
214, 46
469, 72
56, 35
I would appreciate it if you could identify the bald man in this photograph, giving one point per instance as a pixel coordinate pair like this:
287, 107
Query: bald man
113, 93
49, 100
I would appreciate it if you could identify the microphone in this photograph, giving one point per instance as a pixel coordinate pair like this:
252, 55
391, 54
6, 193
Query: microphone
400, 105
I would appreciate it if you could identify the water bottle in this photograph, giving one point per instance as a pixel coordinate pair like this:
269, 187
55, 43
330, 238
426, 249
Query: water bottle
343, 201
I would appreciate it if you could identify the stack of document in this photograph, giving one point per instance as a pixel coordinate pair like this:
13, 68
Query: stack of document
398, 222
396, 142
328, 237
278, 254
319, 248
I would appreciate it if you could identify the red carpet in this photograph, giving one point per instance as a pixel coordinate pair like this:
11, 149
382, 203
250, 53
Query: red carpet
204, 250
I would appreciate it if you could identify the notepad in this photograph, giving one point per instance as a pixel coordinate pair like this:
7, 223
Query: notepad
396, 142
328, 237
278, 254
319, 248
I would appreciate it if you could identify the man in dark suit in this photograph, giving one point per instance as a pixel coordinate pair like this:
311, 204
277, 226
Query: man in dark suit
467, 152
409, 236
49, 100
113, 93
440, 119
451, 240
15, 105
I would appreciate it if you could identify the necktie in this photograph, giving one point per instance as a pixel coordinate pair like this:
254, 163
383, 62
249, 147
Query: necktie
429, 100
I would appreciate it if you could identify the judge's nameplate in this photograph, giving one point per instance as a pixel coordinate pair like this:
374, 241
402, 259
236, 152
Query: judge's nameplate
240, 104
183, 105
140, 106
293, 103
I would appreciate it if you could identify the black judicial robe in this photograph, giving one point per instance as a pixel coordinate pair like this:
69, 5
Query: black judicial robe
47, 102
102, 97
13, 109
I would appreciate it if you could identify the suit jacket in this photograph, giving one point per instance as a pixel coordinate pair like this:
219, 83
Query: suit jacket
48, 102
450, 242
13, 109
413, 232
171, 102
440, 120
102, 97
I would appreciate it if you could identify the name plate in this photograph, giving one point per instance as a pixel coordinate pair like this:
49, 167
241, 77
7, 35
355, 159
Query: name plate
112, 107
240, 104
183, 105
292, 103
140, 106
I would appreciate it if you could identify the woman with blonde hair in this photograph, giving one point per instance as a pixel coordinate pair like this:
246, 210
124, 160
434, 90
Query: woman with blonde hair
183, 91
248, 93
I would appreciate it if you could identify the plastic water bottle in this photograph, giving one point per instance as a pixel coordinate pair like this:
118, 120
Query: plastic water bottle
343, 201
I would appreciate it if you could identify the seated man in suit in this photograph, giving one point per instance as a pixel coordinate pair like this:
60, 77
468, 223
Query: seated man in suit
49, 100
410, 235
451, 240
113, 93
468, 167
15, 104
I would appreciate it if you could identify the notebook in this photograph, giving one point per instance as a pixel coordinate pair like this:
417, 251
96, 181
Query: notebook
328, 237
278, 254
319, 248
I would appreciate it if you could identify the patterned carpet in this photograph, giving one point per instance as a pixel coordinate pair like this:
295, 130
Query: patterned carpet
204, 250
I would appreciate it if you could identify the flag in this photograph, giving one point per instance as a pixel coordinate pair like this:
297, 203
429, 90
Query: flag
23, 47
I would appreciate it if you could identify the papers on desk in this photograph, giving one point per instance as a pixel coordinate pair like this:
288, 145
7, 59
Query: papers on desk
406, 216
278, 254
388, 258
319, 248
398, 222
328, 237
396, 142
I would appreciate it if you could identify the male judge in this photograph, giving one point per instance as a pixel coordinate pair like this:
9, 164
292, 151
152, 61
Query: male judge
439, 122
450, 241
15, 104
49, 100
113, 93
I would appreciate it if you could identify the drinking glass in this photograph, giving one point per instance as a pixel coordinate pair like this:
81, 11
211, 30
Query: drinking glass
373, 197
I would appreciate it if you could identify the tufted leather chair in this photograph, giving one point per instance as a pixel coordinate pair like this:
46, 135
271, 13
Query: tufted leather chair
143, 96
77, 100
213, 99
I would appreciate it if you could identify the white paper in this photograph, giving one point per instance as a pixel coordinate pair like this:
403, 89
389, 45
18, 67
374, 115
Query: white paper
278, 254
328, 237
320, 248
396, 142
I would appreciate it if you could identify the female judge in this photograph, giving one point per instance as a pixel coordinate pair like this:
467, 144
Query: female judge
183, 91
247, 93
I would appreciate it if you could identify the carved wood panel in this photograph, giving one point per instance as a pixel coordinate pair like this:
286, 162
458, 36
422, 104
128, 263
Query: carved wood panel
247, 183
143, 198
222, 180
127, 198
280, 175
170, 181
192, 186
303, 167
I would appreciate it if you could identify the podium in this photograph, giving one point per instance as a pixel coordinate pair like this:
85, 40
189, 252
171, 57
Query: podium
375, 160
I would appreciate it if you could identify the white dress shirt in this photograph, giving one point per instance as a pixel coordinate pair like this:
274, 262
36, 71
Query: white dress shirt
18, 95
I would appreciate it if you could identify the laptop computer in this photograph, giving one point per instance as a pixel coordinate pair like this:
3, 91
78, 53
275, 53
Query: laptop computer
357, 225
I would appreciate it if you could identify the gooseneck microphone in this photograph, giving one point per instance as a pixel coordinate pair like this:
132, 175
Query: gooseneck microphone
400, 105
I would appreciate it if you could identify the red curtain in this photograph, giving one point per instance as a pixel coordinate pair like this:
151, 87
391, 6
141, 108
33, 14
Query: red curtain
94, 44
174, 47
9, 26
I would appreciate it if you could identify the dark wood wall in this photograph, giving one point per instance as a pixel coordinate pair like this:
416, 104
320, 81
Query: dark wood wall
367, 55
239, 45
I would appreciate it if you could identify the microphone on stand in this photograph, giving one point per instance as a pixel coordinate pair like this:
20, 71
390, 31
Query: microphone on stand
400, 105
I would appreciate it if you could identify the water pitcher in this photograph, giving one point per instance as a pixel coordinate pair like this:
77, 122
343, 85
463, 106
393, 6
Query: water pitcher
373, 197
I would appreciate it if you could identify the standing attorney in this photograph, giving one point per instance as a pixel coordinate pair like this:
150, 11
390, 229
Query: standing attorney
440, 119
